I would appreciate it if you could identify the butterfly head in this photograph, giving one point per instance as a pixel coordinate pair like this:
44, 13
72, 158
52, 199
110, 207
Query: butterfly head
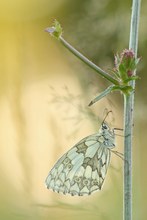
108, 135
105, 129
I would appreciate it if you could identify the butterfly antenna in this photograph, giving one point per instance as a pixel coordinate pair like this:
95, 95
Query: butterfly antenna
106, 116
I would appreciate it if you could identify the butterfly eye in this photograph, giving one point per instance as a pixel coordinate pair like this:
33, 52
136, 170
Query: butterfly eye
105, 126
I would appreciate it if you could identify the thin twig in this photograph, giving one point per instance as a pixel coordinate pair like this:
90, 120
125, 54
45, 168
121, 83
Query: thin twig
88, 62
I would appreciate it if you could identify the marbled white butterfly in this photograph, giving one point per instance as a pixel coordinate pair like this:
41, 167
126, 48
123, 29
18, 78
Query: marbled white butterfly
82, 170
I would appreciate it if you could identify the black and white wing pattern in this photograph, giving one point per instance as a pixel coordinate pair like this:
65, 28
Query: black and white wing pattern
82, 170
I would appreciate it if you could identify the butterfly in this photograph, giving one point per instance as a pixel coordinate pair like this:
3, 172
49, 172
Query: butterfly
82, 170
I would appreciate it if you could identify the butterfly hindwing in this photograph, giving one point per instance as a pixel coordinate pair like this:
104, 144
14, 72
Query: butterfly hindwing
81, 171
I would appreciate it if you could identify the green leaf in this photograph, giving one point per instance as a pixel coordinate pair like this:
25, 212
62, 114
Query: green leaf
116, 73
131, 78
123, 88
122, 72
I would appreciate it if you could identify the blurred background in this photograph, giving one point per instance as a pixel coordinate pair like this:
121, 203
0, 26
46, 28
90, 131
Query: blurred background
44, 97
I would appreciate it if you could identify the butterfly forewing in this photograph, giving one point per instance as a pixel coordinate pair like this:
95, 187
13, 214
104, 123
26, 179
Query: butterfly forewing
82, 170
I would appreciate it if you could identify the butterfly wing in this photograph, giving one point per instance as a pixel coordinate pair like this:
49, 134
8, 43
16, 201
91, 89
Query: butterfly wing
81, 171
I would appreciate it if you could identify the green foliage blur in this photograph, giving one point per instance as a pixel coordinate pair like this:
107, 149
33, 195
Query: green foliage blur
44, 97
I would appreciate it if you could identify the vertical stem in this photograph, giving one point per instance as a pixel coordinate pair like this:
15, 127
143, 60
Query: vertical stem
128, 125
133, 43
128, 117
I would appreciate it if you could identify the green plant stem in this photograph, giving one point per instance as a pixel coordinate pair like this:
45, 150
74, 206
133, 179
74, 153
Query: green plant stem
88, 62
128, 118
